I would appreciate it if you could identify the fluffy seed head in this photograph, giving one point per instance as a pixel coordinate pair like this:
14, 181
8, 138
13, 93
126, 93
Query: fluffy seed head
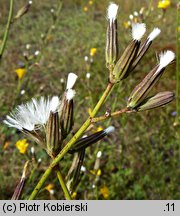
33, 114
70, 94
154, 34
112, 11
138, 30
165, 58
110, 129
71, 80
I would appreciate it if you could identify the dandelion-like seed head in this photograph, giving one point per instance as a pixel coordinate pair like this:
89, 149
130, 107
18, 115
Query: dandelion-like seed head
33, 114
165, 58
109, 130
138, 30
154, 34
70, 94
112, 11
71, 80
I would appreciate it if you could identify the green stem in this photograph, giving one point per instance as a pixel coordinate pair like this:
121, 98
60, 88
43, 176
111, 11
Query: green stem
105, 117
6, 33
63, 184
71, 142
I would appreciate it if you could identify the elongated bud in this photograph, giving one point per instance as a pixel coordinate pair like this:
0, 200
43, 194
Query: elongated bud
122, 67
155, 101
89, 140
145, 46
141, 91
53, 135
19, 188
112, 38
73, 177
23, 10
66, 109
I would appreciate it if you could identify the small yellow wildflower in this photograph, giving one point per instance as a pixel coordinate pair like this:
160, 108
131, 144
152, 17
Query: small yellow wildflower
90, 2
93, 51
127, 24
164, 4
49, 187
85, 9
20, 72
178, 28
22, 145
104, 191
74, 195
99, 129
98, 172
6, 145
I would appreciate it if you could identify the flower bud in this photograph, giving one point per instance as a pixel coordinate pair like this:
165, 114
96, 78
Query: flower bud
23, 10
89, 140
141, 91
53, 135
157, 100
73, 176
19, 188
66, 110
121, 69
145, 46
112, 39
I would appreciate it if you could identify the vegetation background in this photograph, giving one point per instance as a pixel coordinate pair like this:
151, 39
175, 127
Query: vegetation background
141, 159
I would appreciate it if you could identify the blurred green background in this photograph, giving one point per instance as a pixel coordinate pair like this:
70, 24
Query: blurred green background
140, 160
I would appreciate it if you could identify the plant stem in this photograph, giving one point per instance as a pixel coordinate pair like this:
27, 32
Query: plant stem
63, 184
71, 142
102, 118
6, 33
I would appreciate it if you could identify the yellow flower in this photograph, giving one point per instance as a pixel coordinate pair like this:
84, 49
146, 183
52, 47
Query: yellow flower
85, 9
178, 28
127, 24
74, 195
22, 145
93, 51
90, 2
98, 172
164, 4
104, 191
20, 72
49, 187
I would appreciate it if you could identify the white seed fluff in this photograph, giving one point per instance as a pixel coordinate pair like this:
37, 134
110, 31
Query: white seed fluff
33, 114
71, 80
110, 129
70, 94
138, 30
112, 11
165, 58
154, 34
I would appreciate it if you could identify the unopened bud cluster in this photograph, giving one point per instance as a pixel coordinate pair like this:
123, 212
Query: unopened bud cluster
120, 69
